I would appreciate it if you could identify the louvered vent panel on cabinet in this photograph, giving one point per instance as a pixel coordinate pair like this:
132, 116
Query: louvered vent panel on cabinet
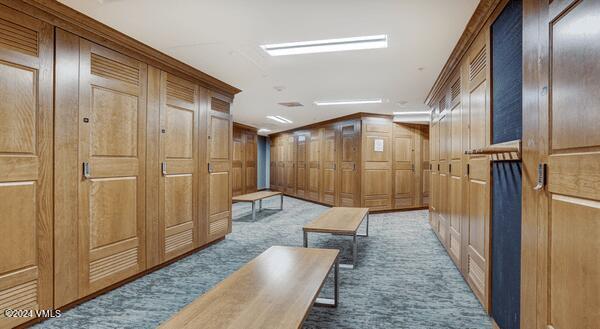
18, 38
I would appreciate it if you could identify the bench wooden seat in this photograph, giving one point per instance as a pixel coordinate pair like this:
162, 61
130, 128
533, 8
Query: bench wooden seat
277, 289
257, 196
342, 221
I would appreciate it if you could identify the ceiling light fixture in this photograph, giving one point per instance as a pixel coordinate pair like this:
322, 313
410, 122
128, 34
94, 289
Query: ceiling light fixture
279, 119
325, 46
349, 102
412, 113
264, 130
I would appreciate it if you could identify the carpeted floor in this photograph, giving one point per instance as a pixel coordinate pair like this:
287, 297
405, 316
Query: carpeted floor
404, 278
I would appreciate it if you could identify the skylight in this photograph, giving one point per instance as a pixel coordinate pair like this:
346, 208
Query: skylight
325, 46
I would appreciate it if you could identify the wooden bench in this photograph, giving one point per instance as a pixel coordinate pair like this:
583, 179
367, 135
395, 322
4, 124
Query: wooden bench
257, 196
341, 221
277, 289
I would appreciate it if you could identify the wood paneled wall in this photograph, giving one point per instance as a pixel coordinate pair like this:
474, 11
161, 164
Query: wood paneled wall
134, 171
359, 160
244, 161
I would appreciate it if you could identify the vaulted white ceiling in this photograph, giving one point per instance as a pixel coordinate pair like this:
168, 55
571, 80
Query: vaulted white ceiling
222, 38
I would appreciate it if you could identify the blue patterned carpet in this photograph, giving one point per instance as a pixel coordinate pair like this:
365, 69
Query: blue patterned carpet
404, 278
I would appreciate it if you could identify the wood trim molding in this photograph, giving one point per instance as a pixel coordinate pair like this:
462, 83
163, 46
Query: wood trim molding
68, 19
481, 15
245, 127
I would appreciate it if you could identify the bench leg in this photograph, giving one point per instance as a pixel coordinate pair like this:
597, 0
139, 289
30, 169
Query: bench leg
281, 204
354, 254
328, 302
305, 244
253, 211
260, 205
367, 234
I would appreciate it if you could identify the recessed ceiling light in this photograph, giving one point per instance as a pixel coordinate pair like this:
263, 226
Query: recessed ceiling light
264, 130
325, 46
411, 113
350, 102
279, 119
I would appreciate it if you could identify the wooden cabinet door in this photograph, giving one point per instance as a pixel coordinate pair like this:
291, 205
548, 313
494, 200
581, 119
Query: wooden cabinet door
435, 177
281, 177
476, 233
290, 165
314, 150
444, 178
376, 185
426, 166
301, 163
112, 138
329, 159
349, 177
219, 168
455, 183
250, 156
273, 166
404, 166
178, 209
237, 162
568, 264
26, 118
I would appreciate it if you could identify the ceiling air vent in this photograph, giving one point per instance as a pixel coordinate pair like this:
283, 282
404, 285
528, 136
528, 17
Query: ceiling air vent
291, 104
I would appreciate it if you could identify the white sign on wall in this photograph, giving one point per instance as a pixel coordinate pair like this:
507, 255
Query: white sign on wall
301, 138
378, 145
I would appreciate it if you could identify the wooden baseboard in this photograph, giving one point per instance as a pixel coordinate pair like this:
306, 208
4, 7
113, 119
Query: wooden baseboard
121, 283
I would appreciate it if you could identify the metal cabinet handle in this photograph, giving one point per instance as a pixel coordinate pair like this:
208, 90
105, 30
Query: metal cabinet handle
86, 170
163, 168
541, 179
210, 168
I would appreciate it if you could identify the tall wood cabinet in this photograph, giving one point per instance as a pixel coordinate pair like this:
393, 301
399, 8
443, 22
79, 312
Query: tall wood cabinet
350, 162
114, 158
244, 160
26, 120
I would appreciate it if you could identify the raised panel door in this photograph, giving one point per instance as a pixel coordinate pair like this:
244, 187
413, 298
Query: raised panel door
179, 122
329, 158
569, 257
314, 165
404, 166
250, 165
112, 114
26, 119
290, 165
349, 178
237, 162
219, 172
301, 165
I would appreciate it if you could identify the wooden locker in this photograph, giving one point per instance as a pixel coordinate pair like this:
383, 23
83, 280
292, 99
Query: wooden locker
301, 165
237, 162
250, 162
290, 164
455, 184
376, 185
26, 121
561, 221
273, 178
329, 163
435, 175
476, 241
444, 176
349, 159
219, 167
403, 154
178, 154
314, 165
426, 166
281, 177
108, 100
